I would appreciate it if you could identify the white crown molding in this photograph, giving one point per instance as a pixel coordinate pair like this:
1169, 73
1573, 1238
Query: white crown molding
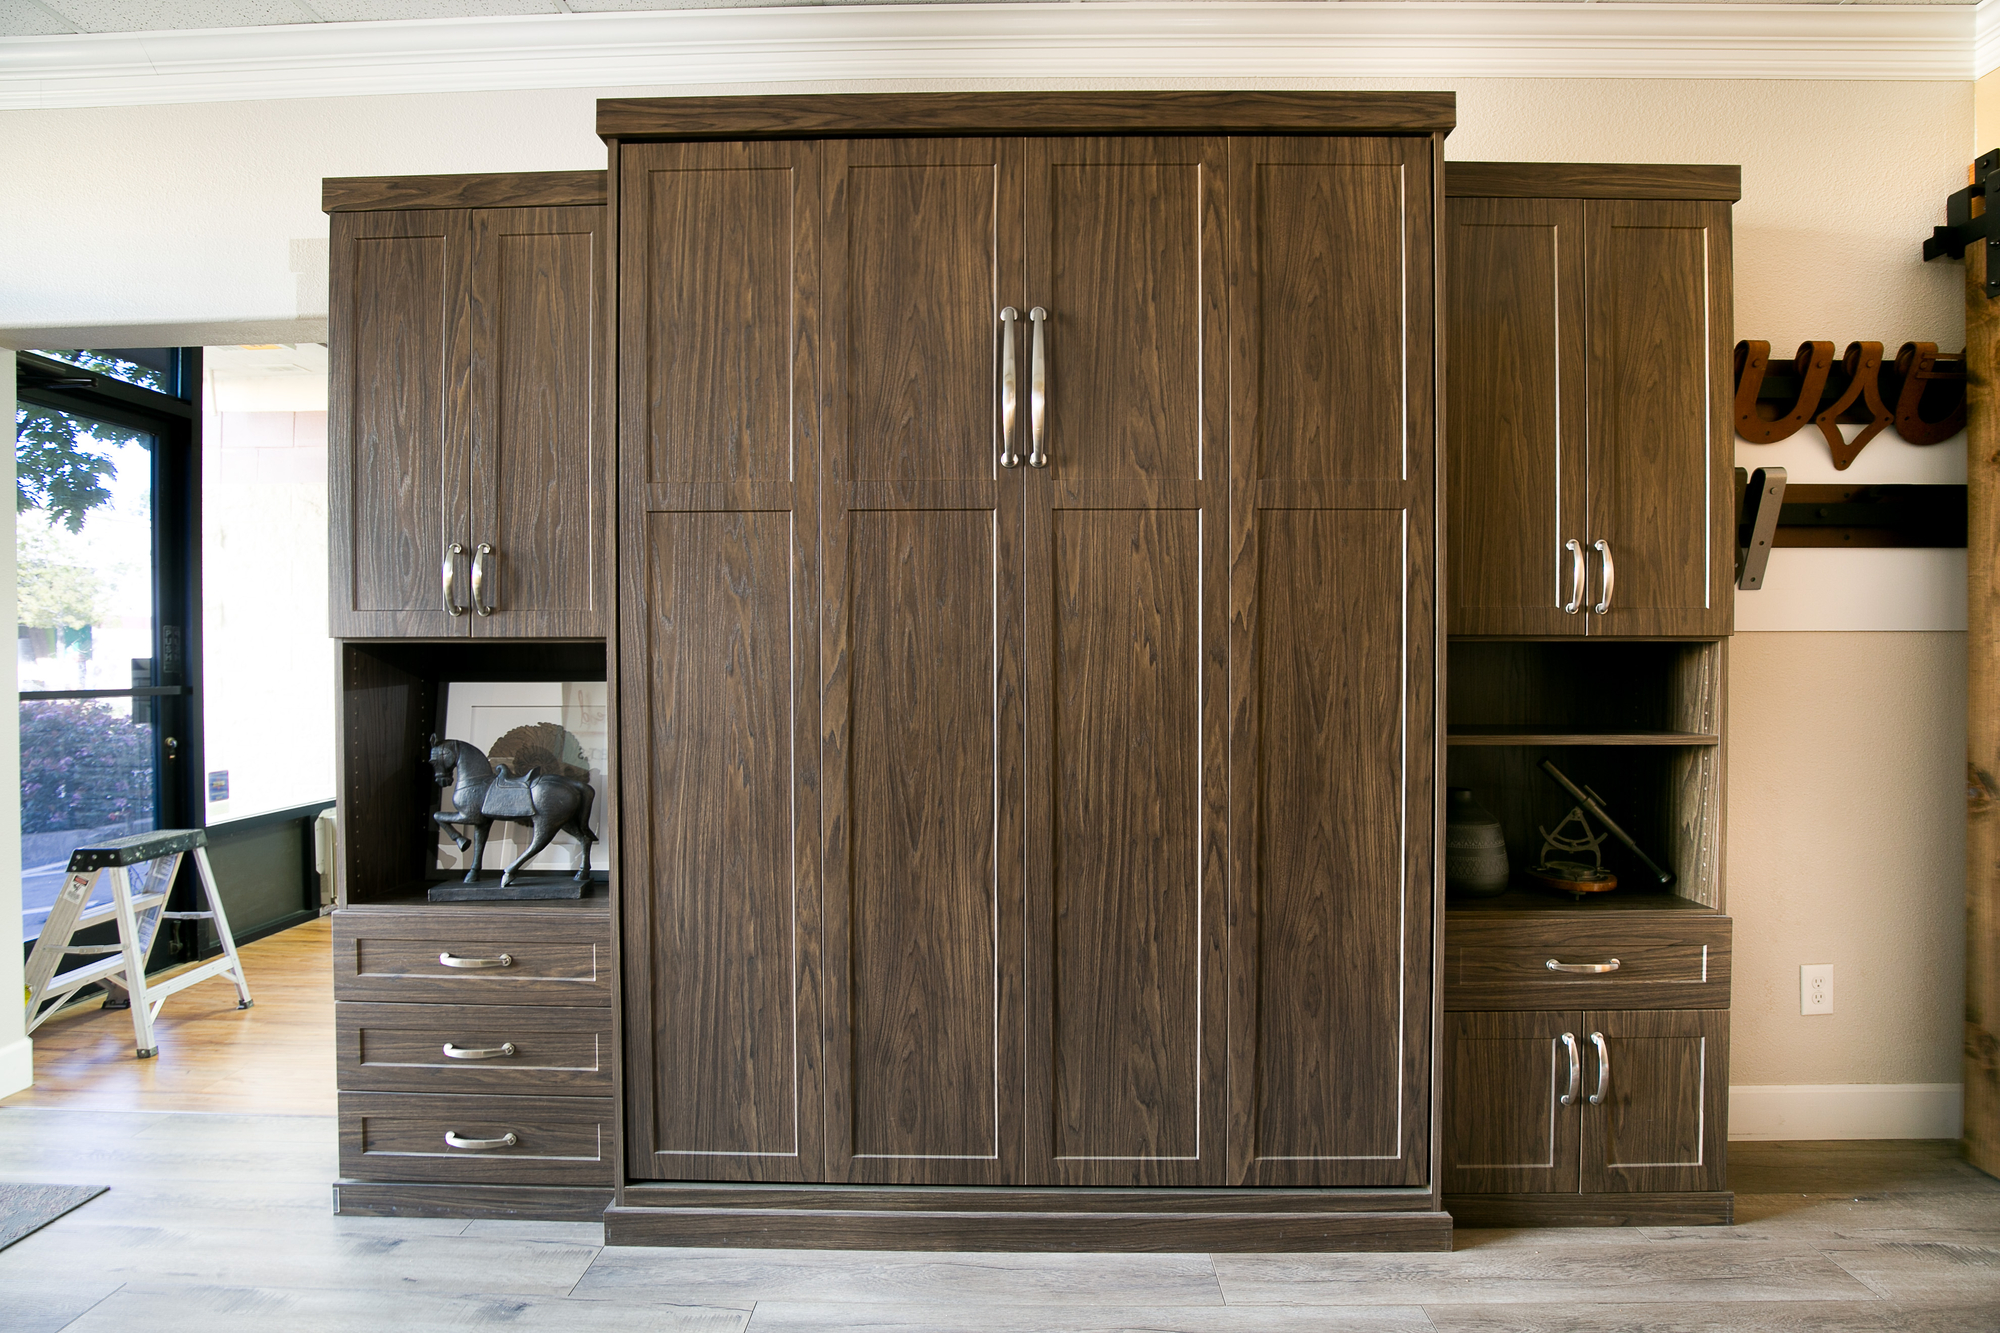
995, 45
1985, 38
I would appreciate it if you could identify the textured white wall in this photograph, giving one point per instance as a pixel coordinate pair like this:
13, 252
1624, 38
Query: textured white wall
201, 223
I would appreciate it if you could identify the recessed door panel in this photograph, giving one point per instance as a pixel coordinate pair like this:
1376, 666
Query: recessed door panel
1663, 1075
1507, 1128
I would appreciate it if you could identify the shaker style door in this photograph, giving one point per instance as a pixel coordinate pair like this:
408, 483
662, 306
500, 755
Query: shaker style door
921, 661
1124, 585
1661, 446
397, 421
1333, 620
1655, 1111
1514, 418
1513, 1090
719, 662
539, 379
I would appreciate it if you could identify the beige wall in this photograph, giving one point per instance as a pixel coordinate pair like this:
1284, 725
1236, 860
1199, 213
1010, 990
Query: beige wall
1844, 807
1986, 114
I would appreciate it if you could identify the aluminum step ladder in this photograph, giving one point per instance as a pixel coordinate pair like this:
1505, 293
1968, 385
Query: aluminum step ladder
141, 868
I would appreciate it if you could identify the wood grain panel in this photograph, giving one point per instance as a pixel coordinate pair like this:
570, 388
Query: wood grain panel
1666, 960
396, 427
875, 114
540, 430
1516, 468
1506, 1130
915, 227
711, 242
1328, 1065
518, 1203
498, 189
400, 1048
1330, 288
1118, 256
1591, 180
401, 1136
723, 910
1660, 455
553, 958
386, 714
1711, 1209
1127, 935
1663, 1124
923, 968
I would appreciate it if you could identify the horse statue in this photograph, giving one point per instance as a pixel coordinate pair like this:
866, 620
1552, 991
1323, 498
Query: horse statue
548, 802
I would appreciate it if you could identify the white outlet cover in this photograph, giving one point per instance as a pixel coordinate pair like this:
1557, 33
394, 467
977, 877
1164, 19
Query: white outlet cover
1816, 989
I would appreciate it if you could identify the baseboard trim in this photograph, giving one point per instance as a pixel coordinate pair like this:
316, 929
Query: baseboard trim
1710, 1209
517, 1203
1847, 1111
17, 1065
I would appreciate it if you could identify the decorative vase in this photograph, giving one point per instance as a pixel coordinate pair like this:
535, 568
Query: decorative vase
1475, 851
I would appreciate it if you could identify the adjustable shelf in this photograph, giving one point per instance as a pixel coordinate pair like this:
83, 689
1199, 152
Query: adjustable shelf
1506, 734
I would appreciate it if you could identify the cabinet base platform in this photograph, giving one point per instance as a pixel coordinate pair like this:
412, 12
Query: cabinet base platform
1707, 1208
849, 1219
518, 1203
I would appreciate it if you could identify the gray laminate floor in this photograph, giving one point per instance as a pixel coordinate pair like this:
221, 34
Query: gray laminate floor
220, 1223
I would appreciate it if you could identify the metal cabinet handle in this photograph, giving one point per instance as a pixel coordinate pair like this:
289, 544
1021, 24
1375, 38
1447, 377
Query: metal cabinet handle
1038, 392
479, 601
1575, 1069
1603, 549
1608, 965
452, 1140
453, 960
450, 572
1010, 389
1576, 576
452, 1052
1603, 1069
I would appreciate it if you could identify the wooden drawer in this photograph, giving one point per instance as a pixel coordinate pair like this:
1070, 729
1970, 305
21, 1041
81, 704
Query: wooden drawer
552, 958
555, 1050
1666, 960
401, 1136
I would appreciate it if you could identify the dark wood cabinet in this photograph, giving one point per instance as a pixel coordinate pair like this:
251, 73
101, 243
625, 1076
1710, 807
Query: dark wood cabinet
1043, 824
470, 409
1589, 436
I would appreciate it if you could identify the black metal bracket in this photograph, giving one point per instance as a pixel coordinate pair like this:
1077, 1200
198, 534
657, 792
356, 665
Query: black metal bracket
1759, 498
1962, 228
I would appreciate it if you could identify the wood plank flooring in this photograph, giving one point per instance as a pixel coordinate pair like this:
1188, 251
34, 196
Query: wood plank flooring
219, 1220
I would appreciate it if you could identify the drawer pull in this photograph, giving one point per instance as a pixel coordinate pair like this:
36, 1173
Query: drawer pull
1575, 1069
453, 960
452, 1140
480, 1053
1610, 965
1603, 1068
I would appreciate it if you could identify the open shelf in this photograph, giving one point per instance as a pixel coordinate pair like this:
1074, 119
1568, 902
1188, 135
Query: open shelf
1507, 734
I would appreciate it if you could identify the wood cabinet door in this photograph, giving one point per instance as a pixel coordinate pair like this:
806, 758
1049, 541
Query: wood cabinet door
1661, 444
1333, 624
718, 661
1662, 1122
396, 423
1126, 795
1514, 416
1507, 1127
921, 664
539, 379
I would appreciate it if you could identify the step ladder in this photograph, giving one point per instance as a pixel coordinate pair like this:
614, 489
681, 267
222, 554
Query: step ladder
142, 869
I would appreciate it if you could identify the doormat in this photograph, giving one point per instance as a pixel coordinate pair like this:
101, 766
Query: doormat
29, 1208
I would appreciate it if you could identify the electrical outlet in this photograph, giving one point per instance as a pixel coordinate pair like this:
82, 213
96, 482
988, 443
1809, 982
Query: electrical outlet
1816, 988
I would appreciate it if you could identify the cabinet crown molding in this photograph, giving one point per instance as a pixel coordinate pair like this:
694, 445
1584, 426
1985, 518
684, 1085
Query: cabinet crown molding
1591, 180
499, 189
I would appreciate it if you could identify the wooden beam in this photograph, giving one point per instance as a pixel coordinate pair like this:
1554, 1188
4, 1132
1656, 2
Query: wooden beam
1982, 722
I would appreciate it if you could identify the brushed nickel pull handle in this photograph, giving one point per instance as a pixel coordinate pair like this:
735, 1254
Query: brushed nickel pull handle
1576, 576
1603, 549
452, 1140
452, 1052
1608, 965
1010, 389
1575, 1069
1038, 392
1603, 1069
479, 602
453, 960
450, 573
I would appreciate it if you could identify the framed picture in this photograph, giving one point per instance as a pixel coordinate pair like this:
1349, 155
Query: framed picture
557, 726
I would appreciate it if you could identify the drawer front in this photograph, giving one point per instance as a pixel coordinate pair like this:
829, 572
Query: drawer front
493, 1048
1666, 960
436, 958
401, 1136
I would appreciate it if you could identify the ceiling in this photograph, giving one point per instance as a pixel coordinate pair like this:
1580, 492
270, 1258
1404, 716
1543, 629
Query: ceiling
51, 18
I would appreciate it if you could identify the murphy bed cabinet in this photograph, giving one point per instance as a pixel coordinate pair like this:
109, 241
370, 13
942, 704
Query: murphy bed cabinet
470, 417
1025, 670
1584, 1048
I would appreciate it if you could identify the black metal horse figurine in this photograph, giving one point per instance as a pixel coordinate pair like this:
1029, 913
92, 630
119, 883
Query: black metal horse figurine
550, 803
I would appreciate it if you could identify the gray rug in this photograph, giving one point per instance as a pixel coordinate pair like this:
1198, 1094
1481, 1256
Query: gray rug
29, 1208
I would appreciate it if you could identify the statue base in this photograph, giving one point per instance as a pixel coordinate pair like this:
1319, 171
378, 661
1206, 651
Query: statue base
525, 888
